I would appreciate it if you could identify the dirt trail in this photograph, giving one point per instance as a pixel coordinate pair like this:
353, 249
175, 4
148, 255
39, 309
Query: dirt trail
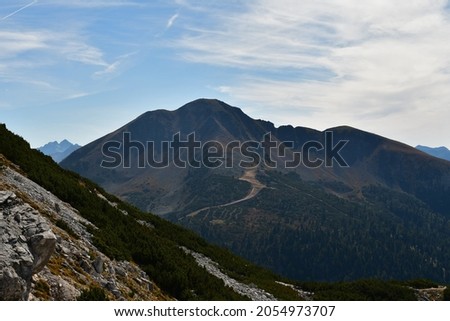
249, 176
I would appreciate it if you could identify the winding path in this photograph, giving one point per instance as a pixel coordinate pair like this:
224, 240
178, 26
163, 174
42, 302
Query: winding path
249, 176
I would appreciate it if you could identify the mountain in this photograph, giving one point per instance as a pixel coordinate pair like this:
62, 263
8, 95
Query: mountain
358, 205
440, 152
59, 151
64, 238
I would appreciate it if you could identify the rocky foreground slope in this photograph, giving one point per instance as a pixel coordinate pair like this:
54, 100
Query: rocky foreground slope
46, 251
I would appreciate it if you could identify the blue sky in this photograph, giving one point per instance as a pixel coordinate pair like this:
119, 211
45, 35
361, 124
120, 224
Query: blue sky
78, 69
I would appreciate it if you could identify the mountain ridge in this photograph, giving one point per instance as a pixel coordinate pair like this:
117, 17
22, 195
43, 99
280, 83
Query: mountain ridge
58, 151
439, 152
168, 254
387, 186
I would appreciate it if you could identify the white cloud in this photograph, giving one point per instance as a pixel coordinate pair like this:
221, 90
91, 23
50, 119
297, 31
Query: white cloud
171, 21
113, 68
110, 69
343, 61
82, 52
78, 95
55, 51
25, 49
14, 43
34, 61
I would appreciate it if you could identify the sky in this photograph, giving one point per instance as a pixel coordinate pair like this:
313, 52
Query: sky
79, 69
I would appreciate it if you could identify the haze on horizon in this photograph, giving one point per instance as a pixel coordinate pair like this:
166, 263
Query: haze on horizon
78, 69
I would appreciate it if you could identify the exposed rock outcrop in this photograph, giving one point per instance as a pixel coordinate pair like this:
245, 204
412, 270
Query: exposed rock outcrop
47, 252
251, 291
27, 244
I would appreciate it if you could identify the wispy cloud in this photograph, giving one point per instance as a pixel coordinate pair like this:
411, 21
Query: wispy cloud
82, 52
59, 50
110, 69
18, 10
38, 62
14, 42
171, 21
93, 3
343, 60
113, 68
56, 47
78, 95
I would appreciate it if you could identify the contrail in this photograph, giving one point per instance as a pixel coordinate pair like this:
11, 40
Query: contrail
18, 10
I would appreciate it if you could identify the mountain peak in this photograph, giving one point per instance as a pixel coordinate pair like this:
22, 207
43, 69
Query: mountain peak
59, 151
210, 119
260, 212
440, 152
206, 104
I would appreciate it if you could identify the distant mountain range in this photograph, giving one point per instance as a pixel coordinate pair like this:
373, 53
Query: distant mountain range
59, 151
440, 152
359, 205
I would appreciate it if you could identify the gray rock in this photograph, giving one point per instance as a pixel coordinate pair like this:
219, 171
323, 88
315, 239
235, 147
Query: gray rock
120, 271
12, 286
64, 291
249, 290
5, 195
112, 287
98, 265
86, 266
42, 246
26, 246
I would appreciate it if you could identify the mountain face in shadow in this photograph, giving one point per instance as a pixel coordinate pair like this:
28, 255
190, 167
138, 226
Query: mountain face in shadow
356, 205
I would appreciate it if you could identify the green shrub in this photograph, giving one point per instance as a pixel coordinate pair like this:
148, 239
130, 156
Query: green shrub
64, 226
421, 284
447, 294
93, 294
42, 290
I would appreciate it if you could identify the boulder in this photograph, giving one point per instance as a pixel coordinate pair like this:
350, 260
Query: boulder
26, 245
42, 245
98, 264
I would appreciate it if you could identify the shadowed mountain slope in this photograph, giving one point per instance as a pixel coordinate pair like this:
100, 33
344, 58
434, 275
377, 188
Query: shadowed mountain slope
384, 215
